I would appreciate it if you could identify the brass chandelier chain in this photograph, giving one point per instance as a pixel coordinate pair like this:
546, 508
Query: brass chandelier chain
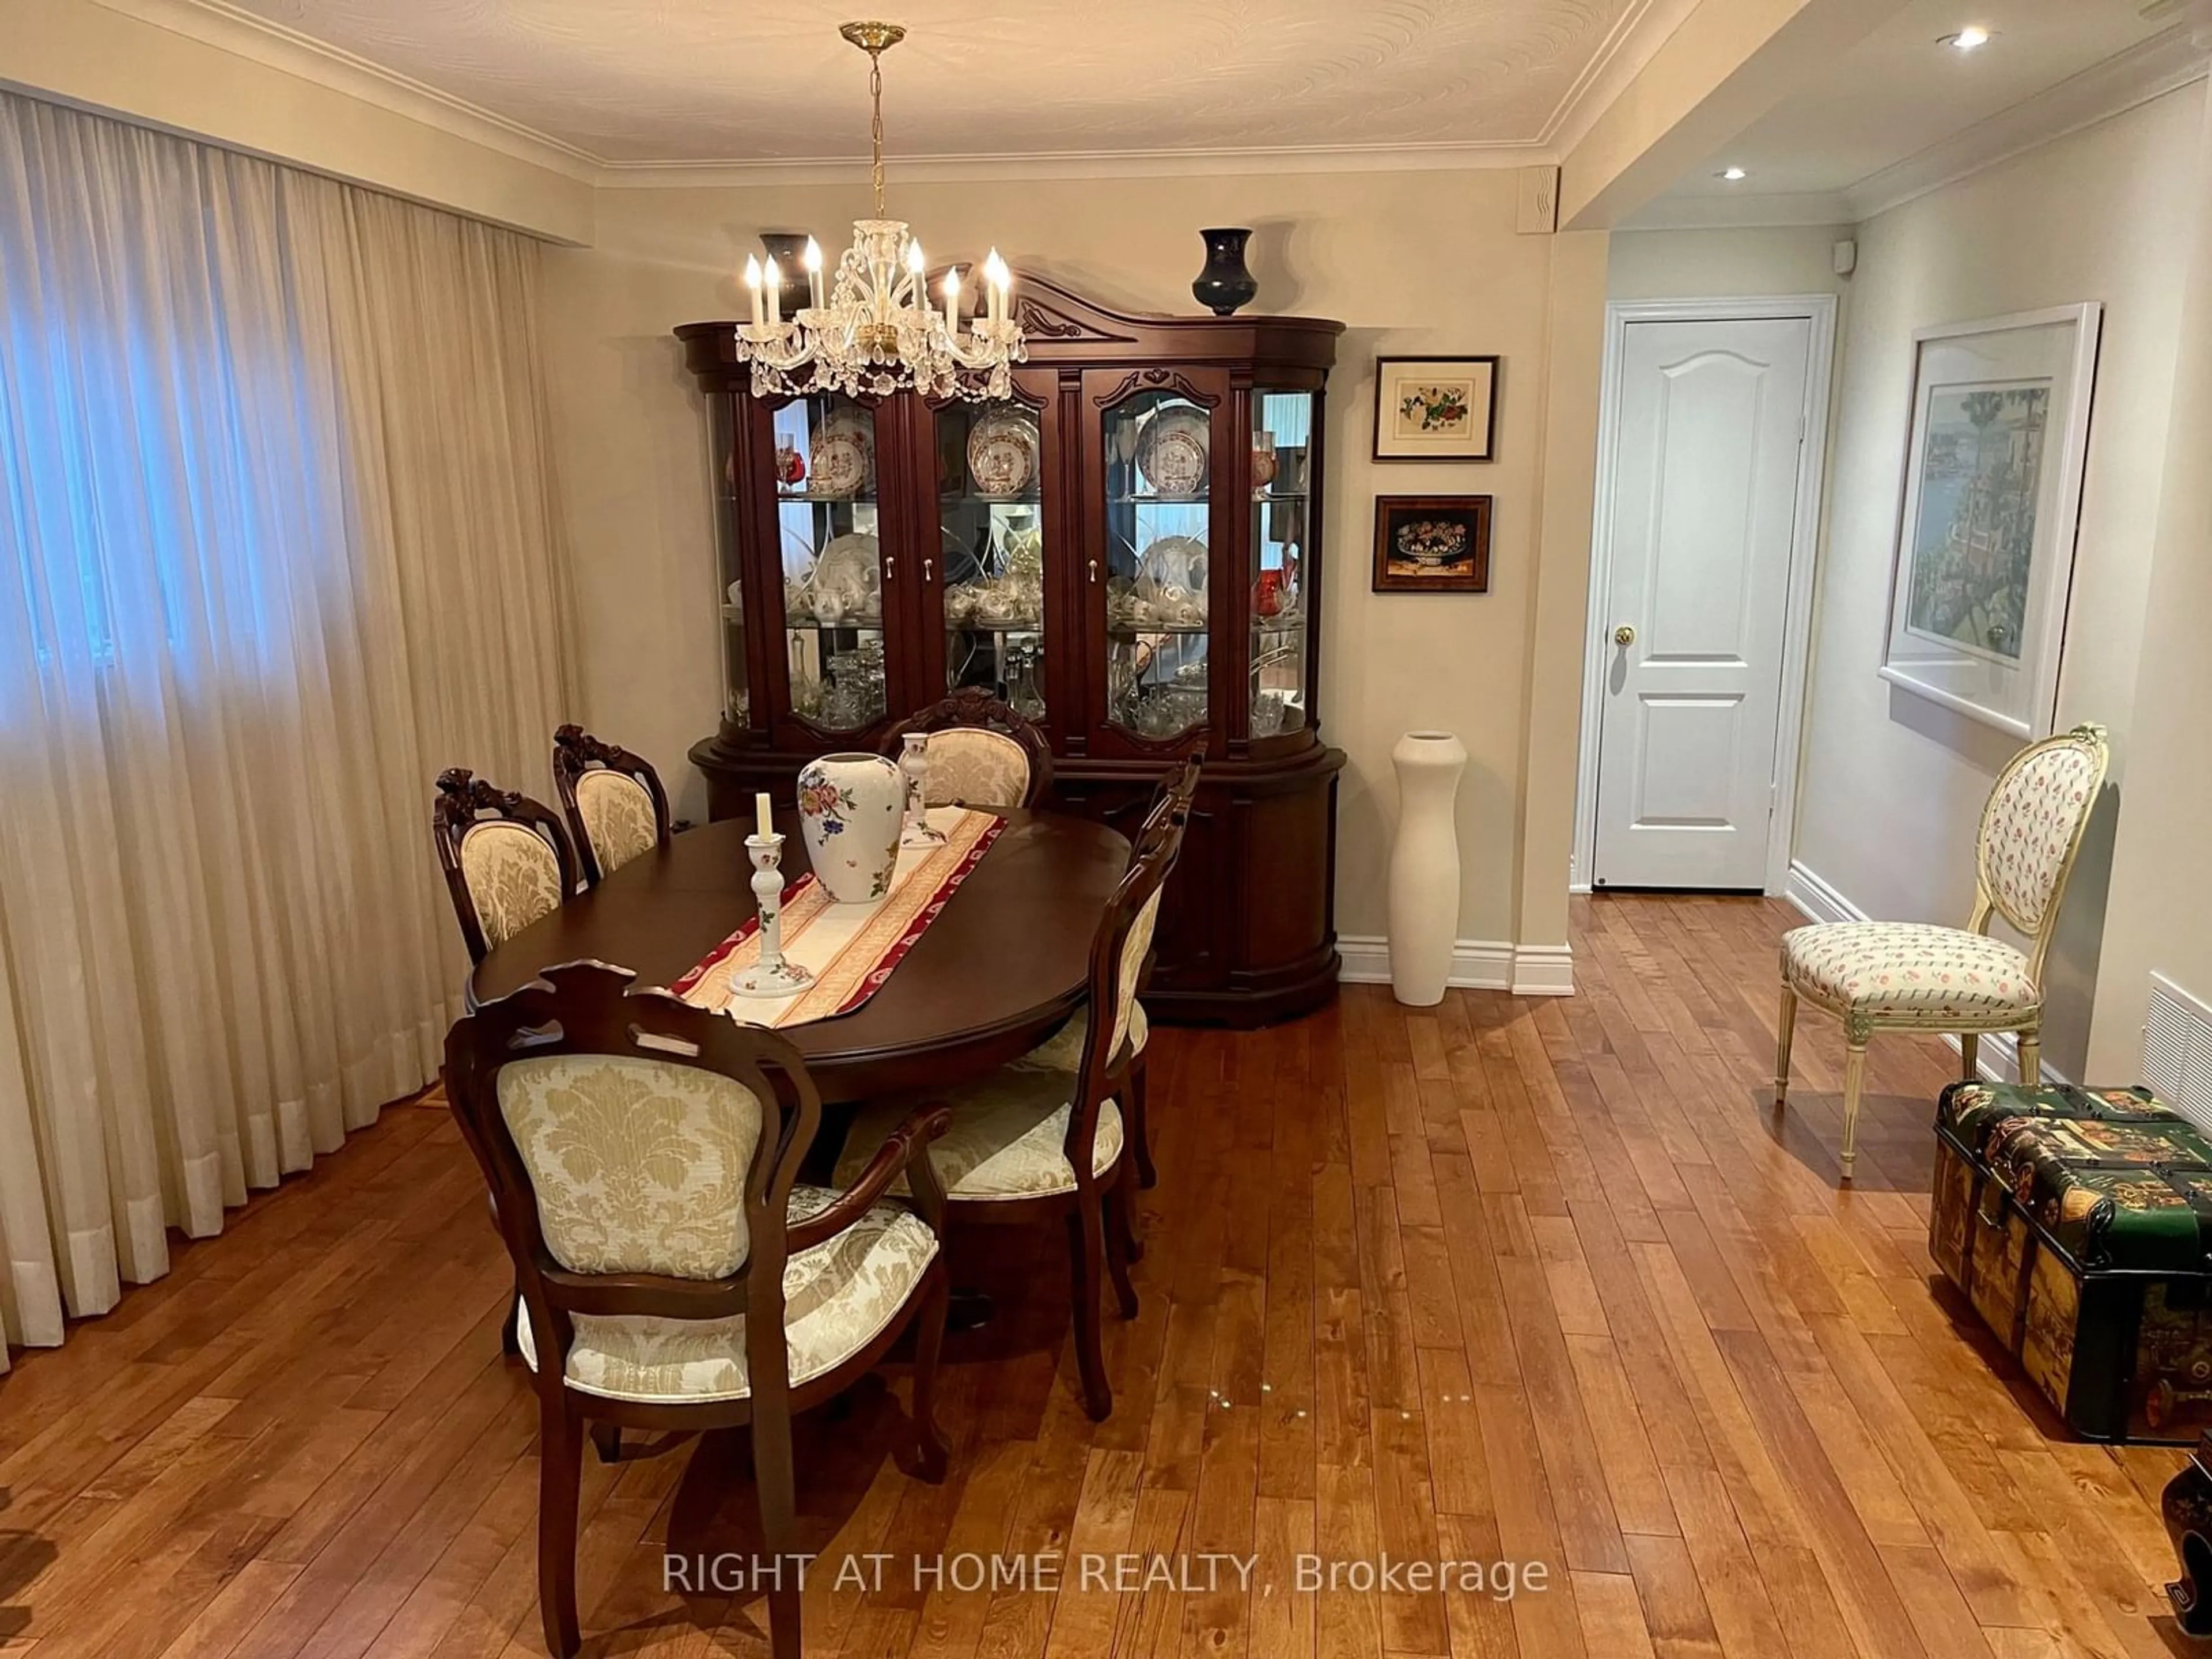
875, 40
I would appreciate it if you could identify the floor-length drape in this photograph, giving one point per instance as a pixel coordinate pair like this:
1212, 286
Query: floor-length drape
276, 545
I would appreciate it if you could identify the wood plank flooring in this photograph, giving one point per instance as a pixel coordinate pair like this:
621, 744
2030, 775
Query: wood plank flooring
1536, 1282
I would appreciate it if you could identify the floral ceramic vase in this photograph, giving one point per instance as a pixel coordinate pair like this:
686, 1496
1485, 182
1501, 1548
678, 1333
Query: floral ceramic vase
850, 807
1424, 905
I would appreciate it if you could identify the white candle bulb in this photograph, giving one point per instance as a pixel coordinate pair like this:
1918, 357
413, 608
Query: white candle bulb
952, 300
762, 815
997, 276
753, 282
772, 279
915, 261
813, 260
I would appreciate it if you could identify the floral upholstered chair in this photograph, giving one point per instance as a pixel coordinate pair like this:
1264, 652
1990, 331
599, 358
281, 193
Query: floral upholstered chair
613, 800
1917, 976
507, 859
1040, 1138
981, 752
643, 1157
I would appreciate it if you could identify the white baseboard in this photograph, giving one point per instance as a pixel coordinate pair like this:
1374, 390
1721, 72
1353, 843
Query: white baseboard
1998, 1059
1477, 964
1543, 970
1818, 900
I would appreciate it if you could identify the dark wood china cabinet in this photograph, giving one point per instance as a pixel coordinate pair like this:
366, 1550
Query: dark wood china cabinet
1128, 551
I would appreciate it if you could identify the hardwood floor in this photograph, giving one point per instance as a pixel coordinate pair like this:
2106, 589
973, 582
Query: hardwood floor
1539, 1282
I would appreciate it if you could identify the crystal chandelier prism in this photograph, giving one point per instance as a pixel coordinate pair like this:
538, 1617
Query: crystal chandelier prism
876, 331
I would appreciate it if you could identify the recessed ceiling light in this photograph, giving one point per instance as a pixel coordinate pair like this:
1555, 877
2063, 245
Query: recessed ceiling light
1970, 39
1732, 174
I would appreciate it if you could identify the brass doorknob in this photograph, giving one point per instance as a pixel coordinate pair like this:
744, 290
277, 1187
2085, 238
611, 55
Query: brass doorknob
1624, 635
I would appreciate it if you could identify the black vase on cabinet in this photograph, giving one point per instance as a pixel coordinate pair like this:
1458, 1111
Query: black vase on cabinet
1224, 284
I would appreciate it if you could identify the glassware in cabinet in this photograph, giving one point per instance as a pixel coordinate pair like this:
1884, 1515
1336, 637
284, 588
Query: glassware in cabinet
1282, 523
990, 468
830, 557
1157, 471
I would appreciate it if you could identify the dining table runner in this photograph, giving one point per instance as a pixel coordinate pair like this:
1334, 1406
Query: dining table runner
851, 948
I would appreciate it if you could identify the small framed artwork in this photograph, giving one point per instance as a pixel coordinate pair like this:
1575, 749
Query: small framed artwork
1984, 557
1432, 543
1435, 409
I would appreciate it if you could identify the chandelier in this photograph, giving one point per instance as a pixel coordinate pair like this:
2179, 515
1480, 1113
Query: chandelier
877, 332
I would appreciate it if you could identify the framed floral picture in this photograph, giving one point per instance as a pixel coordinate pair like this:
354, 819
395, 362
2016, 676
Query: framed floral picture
1984, 558
1432, 543
1435, 409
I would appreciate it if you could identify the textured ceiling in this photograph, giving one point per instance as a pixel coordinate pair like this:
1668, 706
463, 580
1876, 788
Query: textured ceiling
1898, 92
713, 80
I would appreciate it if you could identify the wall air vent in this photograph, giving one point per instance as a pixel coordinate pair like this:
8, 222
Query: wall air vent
2177, 1051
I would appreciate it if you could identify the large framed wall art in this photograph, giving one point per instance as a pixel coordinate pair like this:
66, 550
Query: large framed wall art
1984, 556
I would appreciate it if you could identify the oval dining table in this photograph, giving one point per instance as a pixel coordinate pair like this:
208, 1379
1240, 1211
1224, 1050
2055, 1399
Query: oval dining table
1002, 968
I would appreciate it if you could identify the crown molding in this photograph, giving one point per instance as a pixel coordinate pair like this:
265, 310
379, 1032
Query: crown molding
1076, 164
1635, 39
224, 27
220, 24
1741, 212
2166, 63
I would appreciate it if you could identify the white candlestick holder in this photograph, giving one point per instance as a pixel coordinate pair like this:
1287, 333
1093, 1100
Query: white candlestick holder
914, 766
772, 976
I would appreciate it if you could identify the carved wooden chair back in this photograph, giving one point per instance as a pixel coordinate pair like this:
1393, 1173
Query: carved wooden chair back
612, 799
2031, 832
642, 1154
1119, 952
981, 751
1177, 790
506, 857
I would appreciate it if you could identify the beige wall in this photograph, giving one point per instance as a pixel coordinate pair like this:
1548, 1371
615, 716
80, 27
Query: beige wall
1725, 263
1894, 785
2155, 916
1412, 261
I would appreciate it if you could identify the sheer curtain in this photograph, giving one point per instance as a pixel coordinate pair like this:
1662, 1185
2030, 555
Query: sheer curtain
276, 545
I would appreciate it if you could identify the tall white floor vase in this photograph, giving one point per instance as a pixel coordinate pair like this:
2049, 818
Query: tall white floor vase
1424, 866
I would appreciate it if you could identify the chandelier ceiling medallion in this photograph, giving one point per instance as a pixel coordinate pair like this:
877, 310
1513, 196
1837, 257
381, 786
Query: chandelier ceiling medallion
878, 332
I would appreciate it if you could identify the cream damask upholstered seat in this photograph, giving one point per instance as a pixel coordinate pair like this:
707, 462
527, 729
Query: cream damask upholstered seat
1886, 975
642, 1155
507, 859
837, 1298
1008, 1139
981, 753
615, 806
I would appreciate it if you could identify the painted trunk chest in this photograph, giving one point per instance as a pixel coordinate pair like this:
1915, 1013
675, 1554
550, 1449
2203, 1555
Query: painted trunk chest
2077, 1221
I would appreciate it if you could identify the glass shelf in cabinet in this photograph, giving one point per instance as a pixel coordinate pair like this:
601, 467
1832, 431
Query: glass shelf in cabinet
1032, 626
849, 624
1141, 630
953, 498
798, 497
1143, 498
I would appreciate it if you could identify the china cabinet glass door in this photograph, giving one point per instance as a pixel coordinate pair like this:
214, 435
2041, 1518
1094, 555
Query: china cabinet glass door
722, 415
831, 559
1157, 460
1281, 519
990, 474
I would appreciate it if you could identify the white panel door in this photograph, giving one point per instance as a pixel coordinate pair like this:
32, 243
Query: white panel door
1705, 501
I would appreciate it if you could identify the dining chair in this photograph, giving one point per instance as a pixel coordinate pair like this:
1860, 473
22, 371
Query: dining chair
981, 752
612, 799
643, 1158
506, 857
1034, 1139
1921, 977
